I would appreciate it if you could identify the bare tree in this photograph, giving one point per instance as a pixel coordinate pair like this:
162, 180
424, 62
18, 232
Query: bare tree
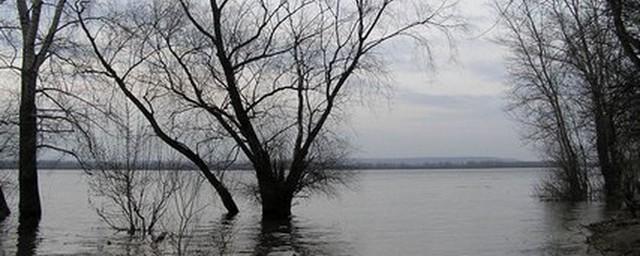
586, 62
32, 59
594, 56
269, 74
625, 17
32, 32
541, 95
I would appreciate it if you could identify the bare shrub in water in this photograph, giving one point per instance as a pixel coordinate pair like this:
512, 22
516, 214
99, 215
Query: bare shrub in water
129, 183
132, 200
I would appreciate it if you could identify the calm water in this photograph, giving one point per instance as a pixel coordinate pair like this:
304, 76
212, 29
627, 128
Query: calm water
395, 212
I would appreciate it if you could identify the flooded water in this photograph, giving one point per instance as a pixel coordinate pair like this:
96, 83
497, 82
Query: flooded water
384, 212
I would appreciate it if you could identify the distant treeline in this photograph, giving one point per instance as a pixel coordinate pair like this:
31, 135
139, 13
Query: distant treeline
449, 165
74, 165
354, 165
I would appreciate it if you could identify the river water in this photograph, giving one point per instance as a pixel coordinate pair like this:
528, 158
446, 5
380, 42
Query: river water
383, 212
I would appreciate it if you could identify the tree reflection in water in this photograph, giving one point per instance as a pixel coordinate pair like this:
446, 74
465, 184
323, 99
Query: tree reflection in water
293, 237
27, 236
6, 226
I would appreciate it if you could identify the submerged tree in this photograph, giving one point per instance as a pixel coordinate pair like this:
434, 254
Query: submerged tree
570, 47
600, 70
33, 55
625, 17
269, 75
34, 34
539, 97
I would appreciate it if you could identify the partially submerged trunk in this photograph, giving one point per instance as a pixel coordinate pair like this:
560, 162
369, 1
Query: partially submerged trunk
275, 196
28, 171
4, 208
27, 236
606, 145
225, 196
577, 188
577, 185
35, 50
276, 203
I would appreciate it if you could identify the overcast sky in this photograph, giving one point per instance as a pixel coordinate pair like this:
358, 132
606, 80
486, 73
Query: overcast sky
456, 110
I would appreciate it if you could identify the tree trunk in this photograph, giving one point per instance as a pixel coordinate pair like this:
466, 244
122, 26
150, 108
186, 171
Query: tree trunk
275, 197
276, 204
227, 200
4, 208
607, 156
221, 189
28, 178
612, 179
577, 187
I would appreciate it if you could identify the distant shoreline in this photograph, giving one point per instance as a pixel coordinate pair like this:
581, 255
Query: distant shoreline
69, 165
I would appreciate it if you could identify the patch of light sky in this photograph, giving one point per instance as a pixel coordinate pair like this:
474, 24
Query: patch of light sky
453, 110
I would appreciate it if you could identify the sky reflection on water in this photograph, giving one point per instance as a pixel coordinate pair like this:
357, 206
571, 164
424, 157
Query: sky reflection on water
412, 212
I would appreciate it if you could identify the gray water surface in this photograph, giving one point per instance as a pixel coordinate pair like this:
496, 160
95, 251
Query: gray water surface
384, 212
